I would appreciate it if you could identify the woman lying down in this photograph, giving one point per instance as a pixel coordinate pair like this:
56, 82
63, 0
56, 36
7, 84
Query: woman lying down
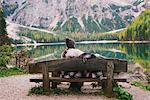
72, 52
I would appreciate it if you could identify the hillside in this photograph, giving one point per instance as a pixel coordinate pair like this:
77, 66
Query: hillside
139, 29
88, 16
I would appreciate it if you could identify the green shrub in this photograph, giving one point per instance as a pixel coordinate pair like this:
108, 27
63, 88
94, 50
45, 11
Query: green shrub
5, 55
41, 91
38, 90
11, 71
148, 78
121, 94
59, 91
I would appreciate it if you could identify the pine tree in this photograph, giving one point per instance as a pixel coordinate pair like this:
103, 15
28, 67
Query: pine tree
4, 39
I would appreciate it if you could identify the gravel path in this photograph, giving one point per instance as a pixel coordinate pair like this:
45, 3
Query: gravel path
138, 94
17, 87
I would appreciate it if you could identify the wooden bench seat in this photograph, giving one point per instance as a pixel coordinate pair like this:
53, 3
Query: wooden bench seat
107, 66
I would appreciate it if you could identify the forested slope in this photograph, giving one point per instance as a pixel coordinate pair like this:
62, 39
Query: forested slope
139, 29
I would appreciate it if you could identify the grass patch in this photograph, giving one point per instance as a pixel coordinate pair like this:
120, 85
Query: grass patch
119, 92
59, 91
12, 71
141, 85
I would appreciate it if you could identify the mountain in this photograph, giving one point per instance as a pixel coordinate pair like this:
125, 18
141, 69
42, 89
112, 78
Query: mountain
88, 16
139, 29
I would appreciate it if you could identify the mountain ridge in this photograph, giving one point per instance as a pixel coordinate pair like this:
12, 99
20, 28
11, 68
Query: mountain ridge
89, 16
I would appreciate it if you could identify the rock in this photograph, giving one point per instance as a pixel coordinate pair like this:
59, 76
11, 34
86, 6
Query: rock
56, 15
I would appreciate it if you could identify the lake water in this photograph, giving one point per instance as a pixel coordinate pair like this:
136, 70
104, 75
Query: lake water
138, 53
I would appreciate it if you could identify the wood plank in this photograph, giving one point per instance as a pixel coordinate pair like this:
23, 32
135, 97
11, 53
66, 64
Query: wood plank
54, 84
46, 83
109, 82
35, 68
77, 64
58, 79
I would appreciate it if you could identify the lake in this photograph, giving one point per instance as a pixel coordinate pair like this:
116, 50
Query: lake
137, 53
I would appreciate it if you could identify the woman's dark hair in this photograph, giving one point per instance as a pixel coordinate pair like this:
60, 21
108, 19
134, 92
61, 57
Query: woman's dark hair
70, 43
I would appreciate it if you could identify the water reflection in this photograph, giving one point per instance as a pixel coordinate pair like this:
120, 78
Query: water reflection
139, 53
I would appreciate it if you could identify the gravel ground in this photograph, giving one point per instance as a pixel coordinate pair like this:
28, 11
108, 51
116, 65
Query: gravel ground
17, 88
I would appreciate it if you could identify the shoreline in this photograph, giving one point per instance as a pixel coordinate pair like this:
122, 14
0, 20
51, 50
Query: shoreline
84, 42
